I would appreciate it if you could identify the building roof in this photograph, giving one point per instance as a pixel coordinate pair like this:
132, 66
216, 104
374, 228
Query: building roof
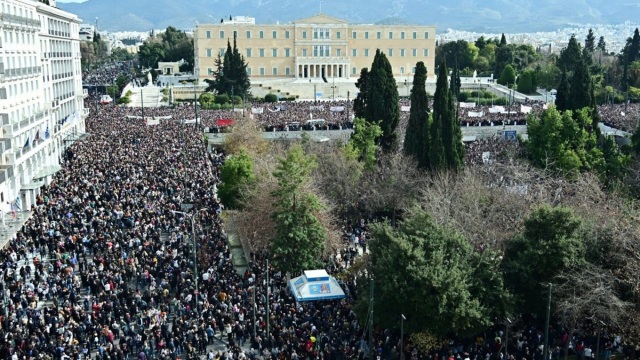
320, 19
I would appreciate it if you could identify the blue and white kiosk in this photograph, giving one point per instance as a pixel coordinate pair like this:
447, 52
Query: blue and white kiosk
315, 285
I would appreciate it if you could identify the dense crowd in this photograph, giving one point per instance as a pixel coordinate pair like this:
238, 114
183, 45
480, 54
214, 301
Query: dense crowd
621, 116
106, 74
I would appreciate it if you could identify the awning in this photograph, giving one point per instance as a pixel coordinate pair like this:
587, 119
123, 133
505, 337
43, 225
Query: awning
315, 285
32, 186
46, 171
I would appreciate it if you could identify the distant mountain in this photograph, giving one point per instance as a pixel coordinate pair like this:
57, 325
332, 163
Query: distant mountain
473, 15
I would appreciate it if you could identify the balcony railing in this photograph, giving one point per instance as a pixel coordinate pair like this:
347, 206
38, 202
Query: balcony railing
8, 19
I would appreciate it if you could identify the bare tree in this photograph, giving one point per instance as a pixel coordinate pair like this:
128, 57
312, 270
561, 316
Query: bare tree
589, 294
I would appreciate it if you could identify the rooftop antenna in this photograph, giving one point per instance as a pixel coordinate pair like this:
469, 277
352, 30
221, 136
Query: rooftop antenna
320, 6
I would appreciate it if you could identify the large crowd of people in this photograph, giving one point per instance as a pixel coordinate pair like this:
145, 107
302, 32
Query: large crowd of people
108, 267
107, 74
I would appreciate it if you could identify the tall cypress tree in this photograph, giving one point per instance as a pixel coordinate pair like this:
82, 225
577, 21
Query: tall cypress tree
446, 149
416, 140
437, 157
360, 102
240, 77
580, 89
563, 95
382, 100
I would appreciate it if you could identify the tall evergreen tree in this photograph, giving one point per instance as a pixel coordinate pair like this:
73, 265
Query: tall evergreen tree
602, 45
580, 89
563, 95
446, 149
382, 100
360, 102
241, 78
503, 56
590, 42
570, 56
416, 140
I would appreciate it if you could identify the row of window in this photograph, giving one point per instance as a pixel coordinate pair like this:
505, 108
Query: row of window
287, 71
325, 34
325, 51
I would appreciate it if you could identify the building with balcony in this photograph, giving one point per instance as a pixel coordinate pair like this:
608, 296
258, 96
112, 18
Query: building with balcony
317, 47
41, 97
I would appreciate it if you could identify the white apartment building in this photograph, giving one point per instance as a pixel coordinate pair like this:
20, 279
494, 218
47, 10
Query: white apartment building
41, 96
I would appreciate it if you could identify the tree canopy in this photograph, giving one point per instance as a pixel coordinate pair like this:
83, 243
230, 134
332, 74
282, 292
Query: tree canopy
382, 99
416, 140
434, 277
230, 76
300, 236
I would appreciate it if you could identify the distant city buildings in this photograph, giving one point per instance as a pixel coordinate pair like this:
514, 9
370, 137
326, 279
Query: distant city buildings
614, 35
41, 96
317, 47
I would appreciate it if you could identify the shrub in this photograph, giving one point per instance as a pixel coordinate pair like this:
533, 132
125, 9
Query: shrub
237, 99
463, 96
222, 99
271, 98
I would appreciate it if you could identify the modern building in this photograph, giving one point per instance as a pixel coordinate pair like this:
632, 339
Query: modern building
317, 47
41, 96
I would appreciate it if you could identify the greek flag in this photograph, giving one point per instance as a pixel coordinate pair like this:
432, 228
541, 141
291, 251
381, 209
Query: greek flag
46, 133
18, 204
26, 144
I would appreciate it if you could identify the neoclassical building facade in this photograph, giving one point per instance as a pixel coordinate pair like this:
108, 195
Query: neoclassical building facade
315, 47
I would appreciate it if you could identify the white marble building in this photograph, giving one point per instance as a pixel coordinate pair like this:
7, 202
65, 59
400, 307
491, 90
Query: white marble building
41, 96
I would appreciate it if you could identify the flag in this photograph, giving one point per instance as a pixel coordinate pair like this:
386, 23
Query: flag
46, 133
18, 204
26, 144
13, 211
37, 137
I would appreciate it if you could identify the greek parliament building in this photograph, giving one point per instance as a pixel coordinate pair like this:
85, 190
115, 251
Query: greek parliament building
41, 96
316, 47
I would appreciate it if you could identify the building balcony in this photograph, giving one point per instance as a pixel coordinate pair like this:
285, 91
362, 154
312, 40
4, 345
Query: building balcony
20, 72
7, 20
5, 145
6, 173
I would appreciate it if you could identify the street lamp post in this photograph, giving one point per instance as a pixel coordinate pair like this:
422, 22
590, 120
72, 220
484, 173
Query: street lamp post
195, 252
506, 339
546, 329
402, 319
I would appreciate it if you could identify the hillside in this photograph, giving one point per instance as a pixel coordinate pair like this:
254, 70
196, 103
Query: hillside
473, 15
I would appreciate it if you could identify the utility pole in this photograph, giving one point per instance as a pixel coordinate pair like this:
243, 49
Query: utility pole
195, 262
195, 102
546, 328
255, 307
142, 99
348, 106
402, 319
371, 348
268, 330
315, 94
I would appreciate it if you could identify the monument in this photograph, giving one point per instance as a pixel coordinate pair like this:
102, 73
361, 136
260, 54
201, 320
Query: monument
149, 79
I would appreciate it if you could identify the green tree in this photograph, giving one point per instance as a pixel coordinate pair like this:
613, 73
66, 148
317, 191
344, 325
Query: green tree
300, 236
525, 84
551, 243
207, 99
230, 76
508, 76
151, 51
559, 141
503, 56
570, 56
360, 102
363, 142
434, 277
416, 140
235, 175
602, 45
590, 42
382, 100
563, 95
446, 150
